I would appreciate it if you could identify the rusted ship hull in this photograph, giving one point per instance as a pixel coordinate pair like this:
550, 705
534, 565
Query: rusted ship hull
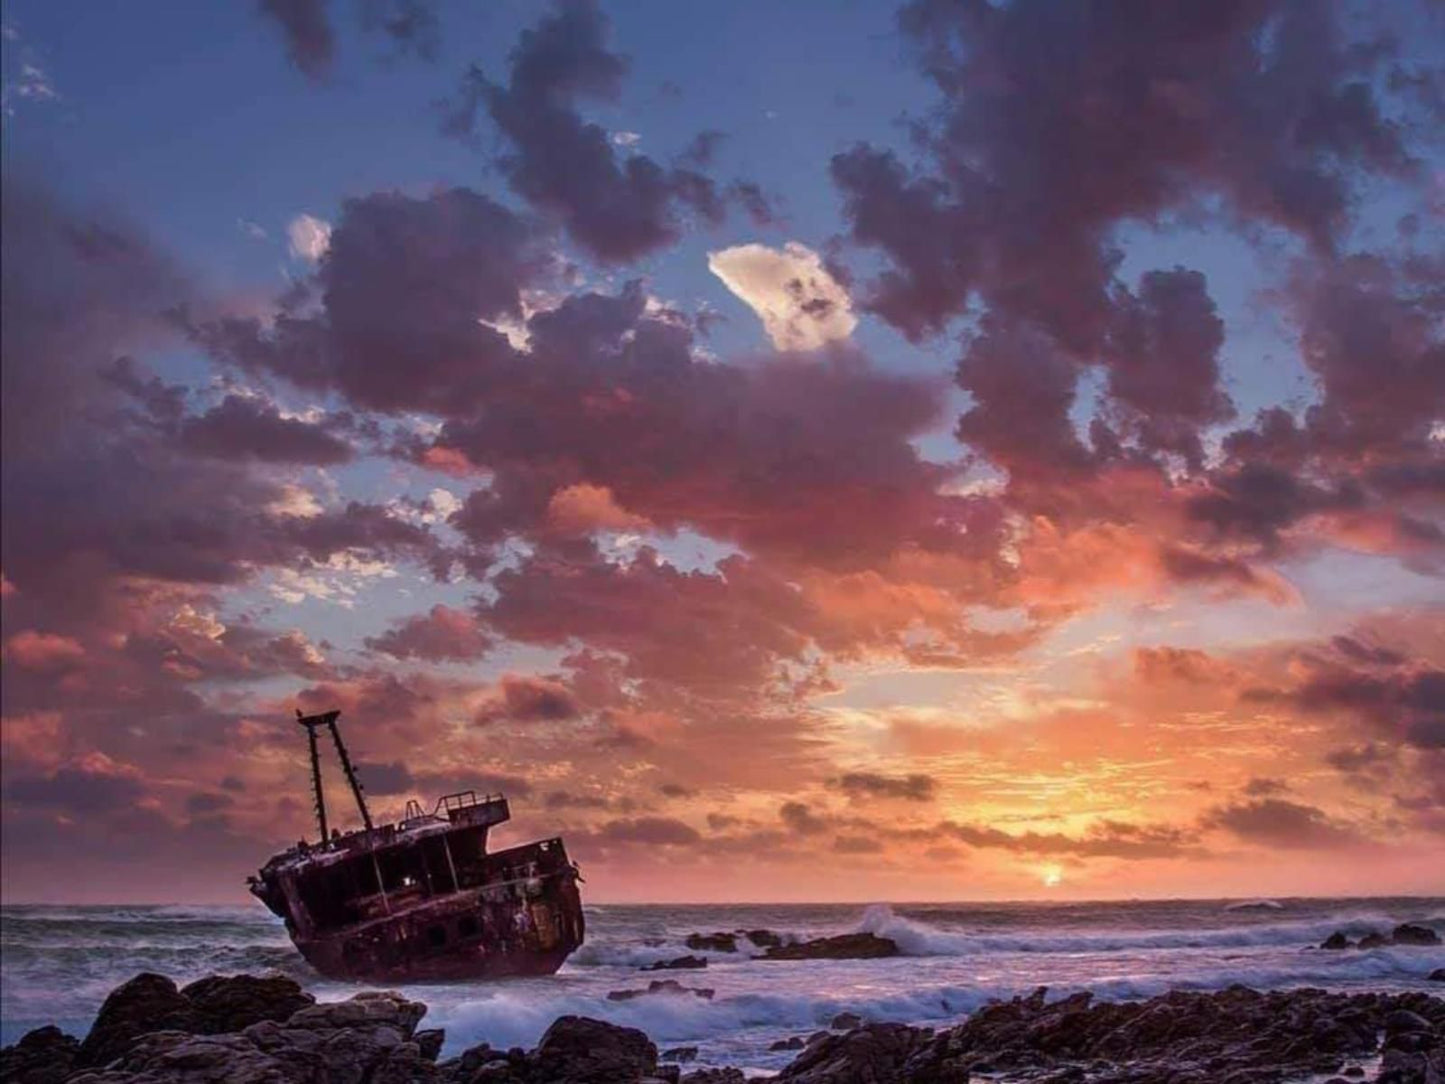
422, 900
496, 932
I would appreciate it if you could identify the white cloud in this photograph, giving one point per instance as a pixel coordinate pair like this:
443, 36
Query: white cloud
309, 236
626, 139
802, 307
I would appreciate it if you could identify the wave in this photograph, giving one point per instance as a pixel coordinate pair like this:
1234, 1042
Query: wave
1254, 905
513, 1018
916, 938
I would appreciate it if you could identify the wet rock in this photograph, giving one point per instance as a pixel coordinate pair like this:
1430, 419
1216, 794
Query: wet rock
871, 1054
662, 986
714, 1076
142, 1005
848, 946
42, 1056
716, 942
430, 1042
209, 1006
1336, 941
846, 1021
1373, 940
681, 963
1408, 934
792, 1042
679, 1053
1438, 975
579, 1050
763, 938
233, 1002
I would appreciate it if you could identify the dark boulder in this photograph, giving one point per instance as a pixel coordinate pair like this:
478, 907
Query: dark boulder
763, 938
1336, 941
1409, 934
1438, 975
580, 1050
792, 1042
679, 1053
145, 1004
872, 1054
1373, 941
681, 963
716, 942
714, 1076
234, 1002
662, 986
847, 946
43, 1056
846, 1021
430, 1042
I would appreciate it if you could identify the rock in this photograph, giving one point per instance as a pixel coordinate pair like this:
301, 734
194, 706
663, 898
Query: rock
1438, 975
42, 1056
679, 964
209, 1006
763, 938
679, 1053
233, 1002
579, 1050
430, 1042
715, 1076
662, 986
1403, 1020
145, 1004
848, 946
871, 1054
1336, 941
846, 1021
717, 942
792, 1042
369, 1010
1373, 941
1408, 934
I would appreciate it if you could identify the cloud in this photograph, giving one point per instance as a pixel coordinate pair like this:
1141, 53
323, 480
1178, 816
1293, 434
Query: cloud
308, 238
801, 305
248, 428
1278, 822
914, 787
617, 205
530, 700
407, 288
306, 30
441, 634
1017, 203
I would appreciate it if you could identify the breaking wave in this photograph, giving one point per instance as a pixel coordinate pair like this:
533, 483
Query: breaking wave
916, 938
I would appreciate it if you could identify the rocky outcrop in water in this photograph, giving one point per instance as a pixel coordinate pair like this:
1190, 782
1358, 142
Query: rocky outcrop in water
1407, 934
662, 986
712, 942
847, 946
681, 963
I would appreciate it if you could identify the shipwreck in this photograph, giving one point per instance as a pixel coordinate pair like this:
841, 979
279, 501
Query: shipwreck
422, 900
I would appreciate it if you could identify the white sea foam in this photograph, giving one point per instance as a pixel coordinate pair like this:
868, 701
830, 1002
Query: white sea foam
919, 939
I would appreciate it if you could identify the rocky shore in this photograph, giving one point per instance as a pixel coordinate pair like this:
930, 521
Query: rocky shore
266, 1030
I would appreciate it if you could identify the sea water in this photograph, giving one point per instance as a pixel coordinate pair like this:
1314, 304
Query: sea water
57, 963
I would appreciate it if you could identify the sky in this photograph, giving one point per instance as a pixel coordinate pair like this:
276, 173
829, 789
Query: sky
797, 452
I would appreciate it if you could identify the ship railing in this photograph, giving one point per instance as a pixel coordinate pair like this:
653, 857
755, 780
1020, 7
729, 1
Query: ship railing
463, 799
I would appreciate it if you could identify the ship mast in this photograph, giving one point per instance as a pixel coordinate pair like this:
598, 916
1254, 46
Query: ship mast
328, 720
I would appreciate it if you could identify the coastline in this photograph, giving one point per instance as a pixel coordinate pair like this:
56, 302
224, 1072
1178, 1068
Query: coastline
267, 1030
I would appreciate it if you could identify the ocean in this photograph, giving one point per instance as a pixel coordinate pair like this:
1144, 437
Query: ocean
57, 963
